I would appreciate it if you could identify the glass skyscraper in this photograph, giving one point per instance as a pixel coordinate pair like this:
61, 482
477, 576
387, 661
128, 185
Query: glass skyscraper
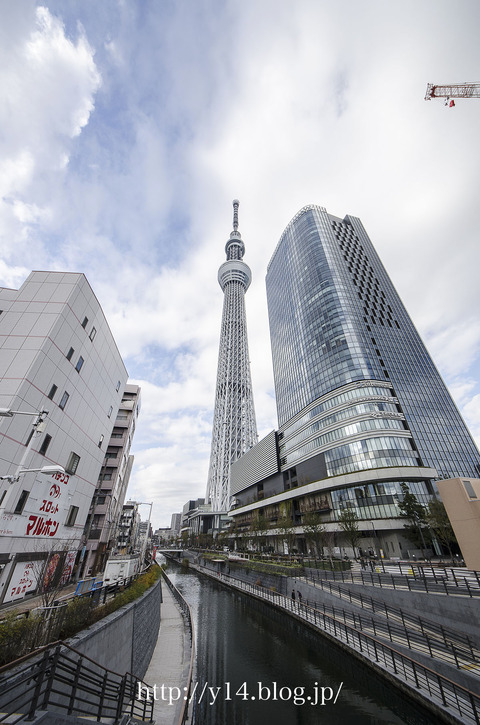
362, 408
353, 378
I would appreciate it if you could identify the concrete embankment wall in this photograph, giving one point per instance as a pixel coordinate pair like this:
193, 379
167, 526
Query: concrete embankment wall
449, 611
457, 612
453, 612
124, 641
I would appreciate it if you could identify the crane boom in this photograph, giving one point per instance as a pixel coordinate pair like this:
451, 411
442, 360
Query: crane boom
454, 90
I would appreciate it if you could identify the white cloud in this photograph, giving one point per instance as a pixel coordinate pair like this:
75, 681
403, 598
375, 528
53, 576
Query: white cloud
129, 128
12, 277
47, 85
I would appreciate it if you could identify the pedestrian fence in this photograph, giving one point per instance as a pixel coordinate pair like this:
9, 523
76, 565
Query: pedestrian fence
456, 582
459, 649
459, 701
48, 621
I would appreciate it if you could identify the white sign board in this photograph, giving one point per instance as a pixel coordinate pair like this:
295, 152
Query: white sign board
24, 580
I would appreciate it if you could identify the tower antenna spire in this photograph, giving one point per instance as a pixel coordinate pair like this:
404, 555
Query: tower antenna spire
236, 204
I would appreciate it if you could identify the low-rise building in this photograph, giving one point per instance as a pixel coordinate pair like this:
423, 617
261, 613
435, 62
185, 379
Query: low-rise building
461, 498
128, 529
106, 509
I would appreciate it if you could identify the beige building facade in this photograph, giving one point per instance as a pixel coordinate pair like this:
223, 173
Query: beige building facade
461, 497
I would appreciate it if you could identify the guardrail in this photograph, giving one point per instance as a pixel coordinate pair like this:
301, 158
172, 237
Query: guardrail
62, 679
188, 616
433, 687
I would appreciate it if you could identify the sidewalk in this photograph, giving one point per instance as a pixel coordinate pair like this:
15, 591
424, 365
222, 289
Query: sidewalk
23, 605
168, 669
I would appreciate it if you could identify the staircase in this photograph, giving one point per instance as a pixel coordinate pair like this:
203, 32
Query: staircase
58, 684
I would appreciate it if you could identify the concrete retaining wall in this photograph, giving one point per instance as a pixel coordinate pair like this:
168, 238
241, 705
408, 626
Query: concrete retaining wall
124, 641
450, 611
459, 612
244, 573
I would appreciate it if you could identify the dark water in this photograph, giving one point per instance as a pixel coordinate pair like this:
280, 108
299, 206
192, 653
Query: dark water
263, 667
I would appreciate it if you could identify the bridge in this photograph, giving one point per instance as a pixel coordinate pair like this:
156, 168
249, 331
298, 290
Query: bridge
171, 552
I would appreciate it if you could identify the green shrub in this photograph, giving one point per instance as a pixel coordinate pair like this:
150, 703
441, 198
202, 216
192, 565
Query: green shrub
20, 636
78, 616
17, 636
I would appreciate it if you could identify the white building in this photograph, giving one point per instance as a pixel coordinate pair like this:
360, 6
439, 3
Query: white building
57, 354
176, 524
129, 529
104, 517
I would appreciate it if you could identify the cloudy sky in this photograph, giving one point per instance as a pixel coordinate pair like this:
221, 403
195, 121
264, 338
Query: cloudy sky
128, 126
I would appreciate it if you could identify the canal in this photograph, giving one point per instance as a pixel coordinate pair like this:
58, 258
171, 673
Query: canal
255, 665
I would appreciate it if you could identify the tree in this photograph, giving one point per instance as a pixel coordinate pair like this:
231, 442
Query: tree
348, 521
52, 567
262, 529
314, 531
254, 533
328, 541
415, 514
438, 521
205, 541
286, 527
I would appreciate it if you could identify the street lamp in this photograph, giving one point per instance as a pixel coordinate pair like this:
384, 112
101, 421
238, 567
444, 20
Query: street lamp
9, 413
38, 427
46, 470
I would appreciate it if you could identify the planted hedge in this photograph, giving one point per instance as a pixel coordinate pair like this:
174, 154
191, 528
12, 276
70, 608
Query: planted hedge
19, 636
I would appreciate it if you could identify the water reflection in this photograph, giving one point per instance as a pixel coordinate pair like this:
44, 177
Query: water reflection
262, 665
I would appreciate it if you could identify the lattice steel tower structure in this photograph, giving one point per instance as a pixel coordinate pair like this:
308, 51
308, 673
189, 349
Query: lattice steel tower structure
234, 423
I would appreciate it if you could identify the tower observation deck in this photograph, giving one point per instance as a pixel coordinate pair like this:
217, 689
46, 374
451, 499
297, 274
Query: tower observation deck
234, 423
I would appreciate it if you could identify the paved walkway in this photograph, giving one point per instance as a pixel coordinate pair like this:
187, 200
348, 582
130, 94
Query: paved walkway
168, 670
23, 605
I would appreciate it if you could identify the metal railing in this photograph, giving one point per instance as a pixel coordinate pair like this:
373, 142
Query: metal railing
433, 687
421, 579
459, 643
399, 633
188, 616
59, 678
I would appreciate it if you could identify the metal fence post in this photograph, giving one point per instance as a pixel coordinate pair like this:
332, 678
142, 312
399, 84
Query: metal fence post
475, 710
73, 691
38, 687
51, 676
121, 697
102, 695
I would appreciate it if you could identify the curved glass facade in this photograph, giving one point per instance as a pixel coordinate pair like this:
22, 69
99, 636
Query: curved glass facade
376, 500
343, 345
378, 395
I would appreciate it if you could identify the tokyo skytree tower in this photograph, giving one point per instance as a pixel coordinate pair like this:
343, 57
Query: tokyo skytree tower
234, 424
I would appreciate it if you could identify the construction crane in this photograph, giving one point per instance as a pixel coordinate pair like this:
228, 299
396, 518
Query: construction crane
451, 91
